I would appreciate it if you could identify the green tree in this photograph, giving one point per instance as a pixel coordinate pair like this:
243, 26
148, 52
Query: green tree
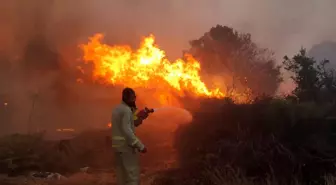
225, 52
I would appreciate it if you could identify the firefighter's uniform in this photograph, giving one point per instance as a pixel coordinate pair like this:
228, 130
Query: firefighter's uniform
126, 146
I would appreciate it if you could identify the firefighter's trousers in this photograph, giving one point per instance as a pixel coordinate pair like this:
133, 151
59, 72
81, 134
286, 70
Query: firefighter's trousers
127, 166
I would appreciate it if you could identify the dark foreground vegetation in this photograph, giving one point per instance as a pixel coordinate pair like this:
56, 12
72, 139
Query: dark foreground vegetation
271, 139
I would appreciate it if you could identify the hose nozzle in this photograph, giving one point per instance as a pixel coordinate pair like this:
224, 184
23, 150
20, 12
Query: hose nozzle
149, 110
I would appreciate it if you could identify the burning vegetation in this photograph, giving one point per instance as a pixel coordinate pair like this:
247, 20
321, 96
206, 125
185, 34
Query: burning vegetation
148, 67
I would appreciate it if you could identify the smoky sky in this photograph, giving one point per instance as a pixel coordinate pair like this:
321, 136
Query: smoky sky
284, 26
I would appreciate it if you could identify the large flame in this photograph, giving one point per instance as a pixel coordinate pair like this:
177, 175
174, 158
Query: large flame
147, 67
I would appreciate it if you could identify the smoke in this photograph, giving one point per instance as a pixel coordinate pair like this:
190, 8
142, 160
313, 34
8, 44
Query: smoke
283, 26
324, 50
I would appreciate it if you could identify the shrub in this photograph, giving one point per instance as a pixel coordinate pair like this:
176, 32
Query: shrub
271, 137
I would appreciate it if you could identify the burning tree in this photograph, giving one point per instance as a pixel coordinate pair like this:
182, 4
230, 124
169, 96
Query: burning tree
223, 50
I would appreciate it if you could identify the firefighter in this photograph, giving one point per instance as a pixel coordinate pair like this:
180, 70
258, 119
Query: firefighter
126, 144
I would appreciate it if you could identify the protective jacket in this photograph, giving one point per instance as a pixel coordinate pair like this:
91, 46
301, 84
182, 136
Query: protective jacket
123, 129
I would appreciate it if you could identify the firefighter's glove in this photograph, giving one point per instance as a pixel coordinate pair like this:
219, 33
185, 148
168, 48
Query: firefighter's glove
144, 150
143, 114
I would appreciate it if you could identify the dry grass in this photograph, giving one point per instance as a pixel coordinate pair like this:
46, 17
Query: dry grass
76, 179
215, 177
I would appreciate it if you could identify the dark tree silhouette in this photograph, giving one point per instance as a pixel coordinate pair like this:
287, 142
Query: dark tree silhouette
224, 51
314, 81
